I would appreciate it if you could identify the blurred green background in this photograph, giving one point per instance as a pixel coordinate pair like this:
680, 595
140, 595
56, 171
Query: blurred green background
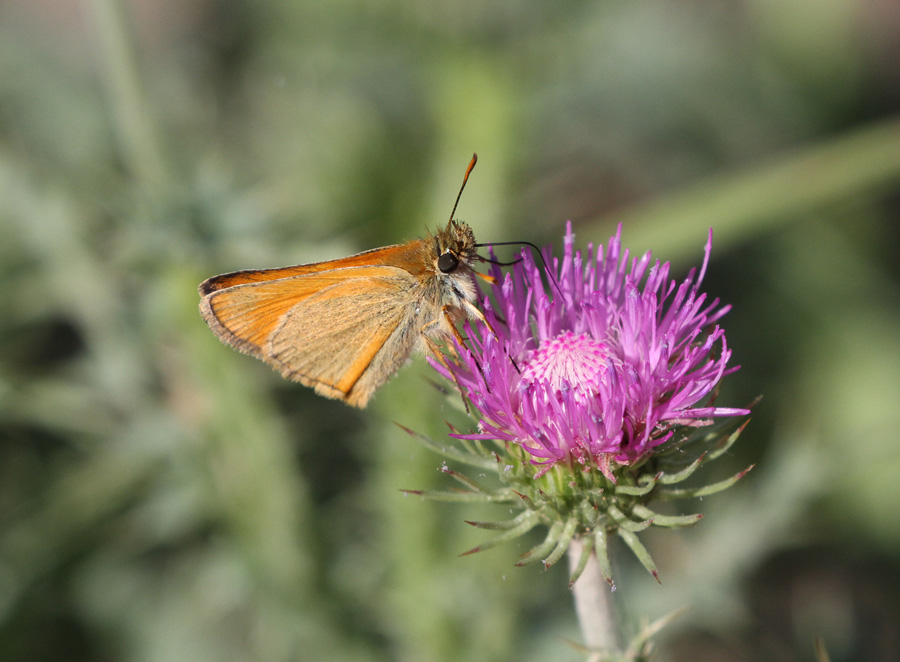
163, 498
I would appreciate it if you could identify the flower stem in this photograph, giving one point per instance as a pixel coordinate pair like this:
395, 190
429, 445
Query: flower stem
593, 603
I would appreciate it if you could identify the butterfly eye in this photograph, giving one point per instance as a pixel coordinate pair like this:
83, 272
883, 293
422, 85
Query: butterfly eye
447, 263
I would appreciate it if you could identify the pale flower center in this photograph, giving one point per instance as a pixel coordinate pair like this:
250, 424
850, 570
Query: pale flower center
569, 361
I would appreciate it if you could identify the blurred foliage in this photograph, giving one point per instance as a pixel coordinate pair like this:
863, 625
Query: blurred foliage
164, 498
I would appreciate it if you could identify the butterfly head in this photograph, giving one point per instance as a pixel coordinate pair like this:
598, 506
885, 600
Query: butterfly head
455, 248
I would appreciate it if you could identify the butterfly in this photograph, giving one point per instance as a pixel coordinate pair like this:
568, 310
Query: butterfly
344, 327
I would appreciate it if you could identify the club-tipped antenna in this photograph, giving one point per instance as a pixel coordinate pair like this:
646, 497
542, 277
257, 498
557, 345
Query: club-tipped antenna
465, 179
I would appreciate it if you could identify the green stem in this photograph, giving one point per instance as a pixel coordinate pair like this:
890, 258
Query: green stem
137, 135
593, 603
863, 162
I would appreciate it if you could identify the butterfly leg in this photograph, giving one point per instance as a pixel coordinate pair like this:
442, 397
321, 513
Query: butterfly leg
462, 341
439, 357
473, 311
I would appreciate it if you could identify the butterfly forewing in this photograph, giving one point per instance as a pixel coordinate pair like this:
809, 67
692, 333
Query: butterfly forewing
407, 255
357, 345
325, 329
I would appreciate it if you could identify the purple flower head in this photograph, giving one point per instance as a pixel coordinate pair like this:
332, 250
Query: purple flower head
596, 362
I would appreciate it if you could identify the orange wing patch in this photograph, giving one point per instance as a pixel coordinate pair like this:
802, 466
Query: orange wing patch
408, 255
325, 329
362, 337
245, 314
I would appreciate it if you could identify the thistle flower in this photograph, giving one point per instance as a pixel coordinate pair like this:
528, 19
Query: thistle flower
596, 377
597, 370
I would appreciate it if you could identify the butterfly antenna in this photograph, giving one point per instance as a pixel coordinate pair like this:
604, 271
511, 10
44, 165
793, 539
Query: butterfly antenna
465, 179
537, 250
